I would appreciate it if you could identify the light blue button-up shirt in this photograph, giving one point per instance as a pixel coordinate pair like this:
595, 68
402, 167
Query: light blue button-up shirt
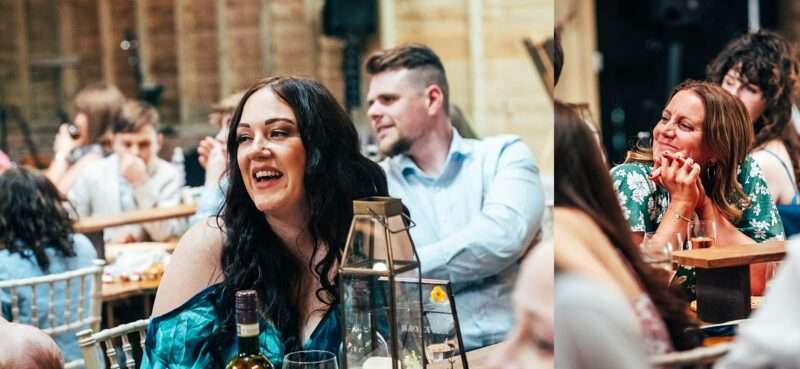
473, 222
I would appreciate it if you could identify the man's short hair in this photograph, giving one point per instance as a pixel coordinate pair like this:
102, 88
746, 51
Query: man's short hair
134, 116
416, 57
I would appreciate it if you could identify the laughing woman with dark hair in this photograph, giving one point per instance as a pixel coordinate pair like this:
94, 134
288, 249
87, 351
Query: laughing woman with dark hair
36, 239
295, 167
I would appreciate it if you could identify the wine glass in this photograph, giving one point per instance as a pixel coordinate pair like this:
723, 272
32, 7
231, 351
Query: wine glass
702, 233
310, 359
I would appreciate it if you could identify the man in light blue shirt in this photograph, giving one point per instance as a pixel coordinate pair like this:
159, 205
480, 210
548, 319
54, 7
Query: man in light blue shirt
477, 203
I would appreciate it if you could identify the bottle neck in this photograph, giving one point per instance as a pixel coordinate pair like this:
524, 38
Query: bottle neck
248, 345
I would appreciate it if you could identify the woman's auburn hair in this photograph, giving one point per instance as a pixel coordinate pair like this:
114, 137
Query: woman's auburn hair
727, 137
335, 174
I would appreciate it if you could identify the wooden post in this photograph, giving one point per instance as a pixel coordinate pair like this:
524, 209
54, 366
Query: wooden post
198, 58
23, 58
66, 34
388, 24
477, 66
106, 41
266, 38
143, 38
224, 46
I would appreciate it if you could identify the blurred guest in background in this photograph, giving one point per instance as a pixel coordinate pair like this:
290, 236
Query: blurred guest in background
212, 156
477, 203
593, 240
698, 164
36, 239
88, 137
761, 69
133, 178
25, 347
530, 343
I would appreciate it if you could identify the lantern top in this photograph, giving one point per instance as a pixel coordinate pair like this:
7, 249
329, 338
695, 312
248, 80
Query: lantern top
378, 205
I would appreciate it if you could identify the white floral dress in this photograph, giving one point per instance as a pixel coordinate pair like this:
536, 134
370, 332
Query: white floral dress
644, 203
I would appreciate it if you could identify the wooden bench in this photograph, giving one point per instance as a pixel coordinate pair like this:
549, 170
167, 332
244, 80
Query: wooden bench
723, 277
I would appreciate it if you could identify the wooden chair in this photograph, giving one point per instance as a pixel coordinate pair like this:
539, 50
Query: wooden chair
69, 322
114, 340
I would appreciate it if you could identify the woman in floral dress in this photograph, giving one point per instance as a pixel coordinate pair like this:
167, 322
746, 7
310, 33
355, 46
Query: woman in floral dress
698, 167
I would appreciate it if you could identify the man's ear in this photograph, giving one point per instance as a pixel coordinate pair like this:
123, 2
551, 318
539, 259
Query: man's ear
434, 98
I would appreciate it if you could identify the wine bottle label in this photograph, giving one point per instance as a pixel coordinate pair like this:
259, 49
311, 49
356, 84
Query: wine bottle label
247, 330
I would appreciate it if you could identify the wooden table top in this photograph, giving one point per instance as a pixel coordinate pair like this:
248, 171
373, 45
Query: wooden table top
120, 290
95, 224
730, 256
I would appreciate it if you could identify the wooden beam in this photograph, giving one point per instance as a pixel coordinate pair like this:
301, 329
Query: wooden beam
224, 47
477, 65
66, 34
143, 38
267, 38
23, 58
388, 21
107, 45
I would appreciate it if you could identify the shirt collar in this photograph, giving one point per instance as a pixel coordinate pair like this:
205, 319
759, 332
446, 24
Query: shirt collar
459, 148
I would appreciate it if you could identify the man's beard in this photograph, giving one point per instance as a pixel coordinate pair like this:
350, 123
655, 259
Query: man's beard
401, 146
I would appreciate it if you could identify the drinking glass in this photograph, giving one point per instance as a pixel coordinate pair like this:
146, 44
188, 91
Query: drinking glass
657, 253
310, 359
702, 233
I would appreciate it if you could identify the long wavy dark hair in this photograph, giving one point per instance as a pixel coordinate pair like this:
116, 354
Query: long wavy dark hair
336, 173
32, 216
583, 183
768, 61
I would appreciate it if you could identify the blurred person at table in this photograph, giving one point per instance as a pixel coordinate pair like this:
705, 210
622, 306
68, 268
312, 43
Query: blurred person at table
530, 343
593, 240
26, 347
698, 166
761, 70
477, 203
212, 156
771, 337
133, 178
37, 239
295, 169
95, 107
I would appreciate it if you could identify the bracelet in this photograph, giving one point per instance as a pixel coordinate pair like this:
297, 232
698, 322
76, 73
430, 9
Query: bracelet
681, 217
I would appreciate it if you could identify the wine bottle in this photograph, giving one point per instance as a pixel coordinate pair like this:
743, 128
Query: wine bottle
250, 356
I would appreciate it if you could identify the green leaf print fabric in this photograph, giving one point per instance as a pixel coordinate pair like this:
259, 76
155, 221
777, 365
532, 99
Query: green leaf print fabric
644, 203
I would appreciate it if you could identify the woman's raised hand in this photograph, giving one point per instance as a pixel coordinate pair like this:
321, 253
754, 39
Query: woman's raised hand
680, 177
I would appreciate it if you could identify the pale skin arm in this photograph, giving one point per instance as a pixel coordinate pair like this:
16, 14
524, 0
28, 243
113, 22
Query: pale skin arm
194, 266
780, 188
69, 176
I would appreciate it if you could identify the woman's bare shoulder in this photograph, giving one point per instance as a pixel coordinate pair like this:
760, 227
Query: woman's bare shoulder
194, 266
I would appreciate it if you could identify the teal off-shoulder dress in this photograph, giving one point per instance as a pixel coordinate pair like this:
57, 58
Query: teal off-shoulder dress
191, 336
